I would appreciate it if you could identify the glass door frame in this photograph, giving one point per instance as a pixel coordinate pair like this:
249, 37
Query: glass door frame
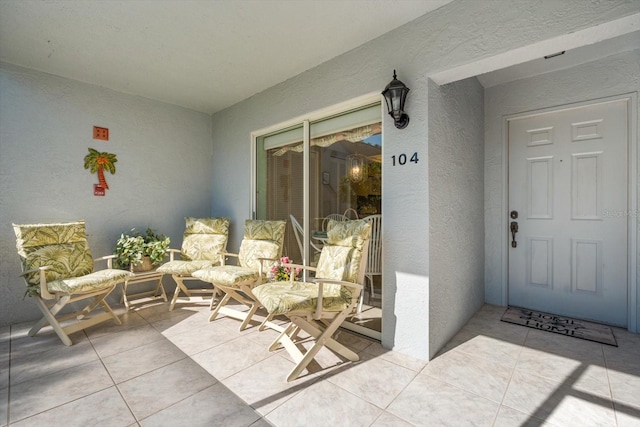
305, 120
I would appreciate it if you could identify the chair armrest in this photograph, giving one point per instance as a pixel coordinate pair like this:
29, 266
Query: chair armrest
298, 266
261, 266
44, 292
318, 314
108, 258
172, 253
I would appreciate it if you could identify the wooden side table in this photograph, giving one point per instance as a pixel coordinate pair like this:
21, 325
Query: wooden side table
143, 277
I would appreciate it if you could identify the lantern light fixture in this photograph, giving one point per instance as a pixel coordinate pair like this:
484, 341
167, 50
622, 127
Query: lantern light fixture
355, 163
395, 95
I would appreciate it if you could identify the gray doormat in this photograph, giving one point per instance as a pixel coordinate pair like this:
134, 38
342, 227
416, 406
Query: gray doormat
560, 325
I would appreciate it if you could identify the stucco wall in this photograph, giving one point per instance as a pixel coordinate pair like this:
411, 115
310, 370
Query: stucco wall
163, 171
455, 34
614, 75
456, 207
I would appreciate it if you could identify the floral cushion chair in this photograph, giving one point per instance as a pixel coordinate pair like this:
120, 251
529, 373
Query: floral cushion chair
203, 242
320, 305
58, 269
261, 247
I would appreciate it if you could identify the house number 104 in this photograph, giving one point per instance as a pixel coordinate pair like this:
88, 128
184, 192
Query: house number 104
401, 159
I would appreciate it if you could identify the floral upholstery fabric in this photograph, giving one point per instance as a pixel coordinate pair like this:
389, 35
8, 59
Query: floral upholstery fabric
228, 275
262, 239
203, 241
204, 238
184, 268
285, 297
339, 260
65, 249
90, 282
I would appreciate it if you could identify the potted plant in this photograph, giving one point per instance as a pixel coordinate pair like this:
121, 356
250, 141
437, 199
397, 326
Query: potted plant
141, 252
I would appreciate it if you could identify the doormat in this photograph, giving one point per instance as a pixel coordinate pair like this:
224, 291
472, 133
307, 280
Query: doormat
560, 325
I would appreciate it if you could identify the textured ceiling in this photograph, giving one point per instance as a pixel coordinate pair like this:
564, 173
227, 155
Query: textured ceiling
203, 55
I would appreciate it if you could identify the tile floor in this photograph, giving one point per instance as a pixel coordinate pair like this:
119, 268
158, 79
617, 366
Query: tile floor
175, 368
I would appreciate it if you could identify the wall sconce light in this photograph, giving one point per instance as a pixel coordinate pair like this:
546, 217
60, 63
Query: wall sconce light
395, 94
355, 162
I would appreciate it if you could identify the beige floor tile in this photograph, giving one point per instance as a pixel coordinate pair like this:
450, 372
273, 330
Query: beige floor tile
389, 420
225, 360
557, 402
125, 339
180, 323
140, 360
427, 401
493, 327
374, 379
4, 406
376, 349
264, 385
508, 417
160, 310
625, 387
582, 375
626, 415
353, 341
51, 360
104, 408
203, 337
309, 408
4, 374
129, 319
40, 394
22, 343
5, 346
622, 359
213, 406
484, 377
264, 338
565, 346
5, 333
159, 389
477, 344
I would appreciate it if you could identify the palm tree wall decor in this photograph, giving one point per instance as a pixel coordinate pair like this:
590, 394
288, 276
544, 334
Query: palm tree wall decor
99, 162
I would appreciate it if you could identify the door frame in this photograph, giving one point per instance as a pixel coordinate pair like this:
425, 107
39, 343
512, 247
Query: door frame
633, 210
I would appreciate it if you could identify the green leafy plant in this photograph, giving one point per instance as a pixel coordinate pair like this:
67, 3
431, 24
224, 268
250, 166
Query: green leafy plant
131, 248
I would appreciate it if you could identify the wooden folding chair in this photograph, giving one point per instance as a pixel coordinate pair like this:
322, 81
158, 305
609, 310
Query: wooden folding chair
203, 242
58, 270
261, 247
320, 305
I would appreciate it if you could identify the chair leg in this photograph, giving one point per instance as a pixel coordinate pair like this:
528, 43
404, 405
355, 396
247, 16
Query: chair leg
180, 287
322, 338
49, 318
221, 304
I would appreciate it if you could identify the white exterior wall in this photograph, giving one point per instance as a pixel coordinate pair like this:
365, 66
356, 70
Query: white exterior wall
456, 206
163, 171
614, 75
458, 33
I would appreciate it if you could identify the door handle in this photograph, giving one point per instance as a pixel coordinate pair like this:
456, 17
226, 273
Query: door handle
514, 230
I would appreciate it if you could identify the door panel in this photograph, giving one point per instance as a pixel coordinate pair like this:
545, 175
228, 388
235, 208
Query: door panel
568, 183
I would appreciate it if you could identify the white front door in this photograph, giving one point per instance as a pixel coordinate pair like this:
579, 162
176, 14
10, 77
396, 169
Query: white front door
568, 185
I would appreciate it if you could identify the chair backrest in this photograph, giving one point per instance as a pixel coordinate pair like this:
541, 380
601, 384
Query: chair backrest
204, 238
335, 217
374, 259
344, 255
262, 239
350, 212
62, 246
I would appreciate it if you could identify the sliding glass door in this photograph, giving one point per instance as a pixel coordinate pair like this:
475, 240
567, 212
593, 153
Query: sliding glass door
318, 169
